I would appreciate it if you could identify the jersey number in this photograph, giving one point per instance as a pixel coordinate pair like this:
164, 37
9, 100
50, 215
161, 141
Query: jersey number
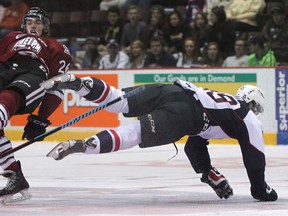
221, 97
64, 67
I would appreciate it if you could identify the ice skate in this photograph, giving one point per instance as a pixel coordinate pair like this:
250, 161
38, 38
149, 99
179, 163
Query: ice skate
66, 148
218, 182
63, 81
16, 189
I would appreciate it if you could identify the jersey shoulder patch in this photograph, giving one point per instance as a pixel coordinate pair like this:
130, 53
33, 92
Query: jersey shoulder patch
66, 50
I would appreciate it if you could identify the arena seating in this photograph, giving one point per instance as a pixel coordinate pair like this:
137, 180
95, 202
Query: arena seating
82, 18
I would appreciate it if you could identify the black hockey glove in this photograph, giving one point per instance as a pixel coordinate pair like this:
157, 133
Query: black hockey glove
218, 182
35, 126
266, 194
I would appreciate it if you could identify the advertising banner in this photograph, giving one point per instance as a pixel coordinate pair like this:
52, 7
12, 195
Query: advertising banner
223, 82
222, 79
73, 105
282, 105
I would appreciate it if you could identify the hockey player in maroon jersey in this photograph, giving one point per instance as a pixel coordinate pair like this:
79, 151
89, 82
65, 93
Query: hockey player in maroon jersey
27, 58
166, 113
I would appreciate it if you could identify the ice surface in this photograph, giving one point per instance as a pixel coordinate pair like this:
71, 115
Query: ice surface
143, 182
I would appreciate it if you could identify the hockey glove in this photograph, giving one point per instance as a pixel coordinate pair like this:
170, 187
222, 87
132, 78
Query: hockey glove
218, 182
266, 194
36, 126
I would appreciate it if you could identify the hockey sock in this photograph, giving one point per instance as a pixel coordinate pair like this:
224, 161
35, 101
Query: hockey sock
103, 142
5, 162
11, 101
123, 137
14, 166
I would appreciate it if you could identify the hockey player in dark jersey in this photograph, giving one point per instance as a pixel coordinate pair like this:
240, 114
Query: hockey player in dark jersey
166, 113
27, 58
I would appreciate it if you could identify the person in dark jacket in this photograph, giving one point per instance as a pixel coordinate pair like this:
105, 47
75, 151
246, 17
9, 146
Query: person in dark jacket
221, 31
158, 57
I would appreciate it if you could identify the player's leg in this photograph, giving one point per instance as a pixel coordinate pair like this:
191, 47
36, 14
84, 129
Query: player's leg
17, 98
90, 88
156, 127
198, 155
152, 129
123, 137
10, 102
99, 91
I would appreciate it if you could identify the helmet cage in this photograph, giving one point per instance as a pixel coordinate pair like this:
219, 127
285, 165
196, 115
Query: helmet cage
256, 108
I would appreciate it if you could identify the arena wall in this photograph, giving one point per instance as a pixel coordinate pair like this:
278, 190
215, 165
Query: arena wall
273, 82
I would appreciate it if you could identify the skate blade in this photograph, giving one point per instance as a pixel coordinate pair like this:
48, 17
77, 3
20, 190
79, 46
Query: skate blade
54, 153
18, 197
48, 84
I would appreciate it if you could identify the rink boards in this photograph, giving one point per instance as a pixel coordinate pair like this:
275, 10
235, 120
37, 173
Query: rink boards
272, 81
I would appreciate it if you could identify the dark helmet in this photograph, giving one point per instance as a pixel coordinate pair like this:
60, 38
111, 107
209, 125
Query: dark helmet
39, 13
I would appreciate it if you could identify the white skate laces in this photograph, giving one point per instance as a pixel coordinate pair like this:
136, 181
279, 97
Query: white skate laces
218, 182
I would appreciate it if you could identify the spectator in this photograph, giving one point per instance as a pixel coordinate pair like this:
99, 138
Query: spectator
76, 62
143, 4
91, 56
12, 17
260, 55
177, 31
240, 58
192, 8
106, 4
5, 3
276, 32
157, 24
219, 3
137, 55
113, 27
244, 13
115, 58
190, 56
221, 31
72, 46
134, 29
199, 29
158, 57
213, 56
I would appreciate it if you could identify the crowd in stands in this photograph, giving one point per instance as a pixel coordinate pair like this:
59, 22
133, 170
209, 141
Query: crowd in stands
11, 13
192, 33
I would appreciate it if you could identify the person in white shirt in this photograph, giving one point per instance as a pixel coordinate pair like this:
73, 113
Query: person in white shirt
106, 4
244, 14
240, 58
115, 58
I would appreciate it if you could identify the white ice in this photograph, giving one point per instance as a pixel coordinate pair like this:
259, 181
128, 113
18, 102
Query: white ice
143, 182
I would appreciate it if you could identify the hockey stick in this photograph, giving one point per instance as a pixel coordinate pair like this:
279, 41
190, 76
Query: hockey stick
73, 121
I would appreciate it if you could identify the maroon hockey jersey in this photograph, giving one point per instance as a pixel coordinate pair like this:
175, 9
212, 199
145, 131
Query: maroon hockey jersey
54, 55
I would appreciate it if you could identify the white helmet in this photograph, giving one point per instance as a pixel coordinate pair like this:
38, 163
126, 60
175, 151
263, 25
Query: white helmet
250, 93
